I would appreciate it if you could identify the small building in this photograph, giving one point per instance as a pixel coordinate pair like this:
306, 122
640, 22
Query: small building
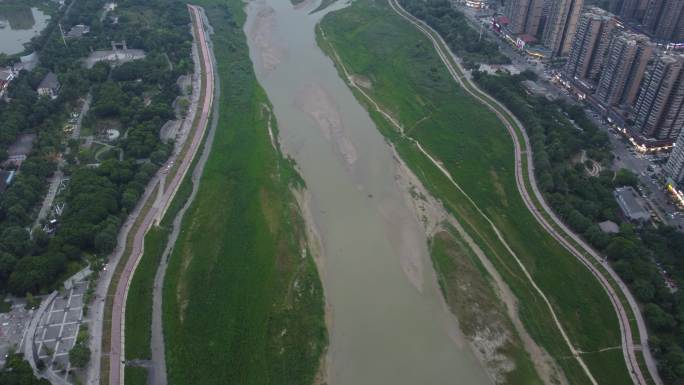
631, 204
6, 77
77, 31
49, 86
609, 227
6, 178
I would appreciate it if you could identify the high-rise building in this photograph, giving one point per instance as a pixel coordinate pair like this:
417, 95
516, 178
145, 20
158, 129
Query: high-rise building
665, 19
524, 15
623, 69
629, 9
659, 111
590, 45
561, 24
674, 167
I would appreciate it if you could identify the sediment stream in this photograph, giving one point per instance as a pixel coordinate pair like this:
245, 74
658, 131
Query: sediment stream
388, 321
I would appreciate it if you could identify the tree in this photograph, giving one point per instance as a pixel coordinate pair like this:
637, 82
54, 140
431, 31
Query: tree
19, 372
625, 177
657, 318
79, 356
15, 240
621, 248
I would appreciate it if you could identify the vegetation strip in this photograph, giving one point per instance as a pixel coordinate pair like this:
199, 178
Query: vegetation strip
542, 212
358, 58
241, 285
115, 311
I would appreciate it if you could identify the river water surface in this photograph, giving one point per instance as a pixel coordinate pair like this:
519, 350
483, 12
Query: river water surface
388, 321
18, 25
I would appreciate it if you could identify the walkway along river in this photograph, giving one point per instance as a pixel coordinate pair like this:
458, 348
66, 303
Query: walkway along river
388, 321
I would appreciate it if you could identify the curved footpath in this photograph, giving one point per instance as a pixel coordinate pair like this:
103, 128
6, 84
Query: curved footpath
509, 120
161, 203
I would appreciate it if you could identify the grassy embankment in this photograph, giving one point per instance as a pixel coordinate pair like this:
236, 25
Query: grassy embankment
242, 298
409, 81
111, 290
139, 300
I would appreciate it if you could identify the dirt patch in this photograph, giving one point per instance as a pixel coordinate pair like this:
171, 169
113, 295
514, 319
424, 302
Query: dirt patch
315, 244
485, 321
362, 81
500, 192
260, 33
322, 108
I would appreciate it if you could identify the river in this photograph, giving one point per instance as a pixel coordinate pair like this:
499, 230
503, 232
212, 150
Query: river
388, 321
18, 24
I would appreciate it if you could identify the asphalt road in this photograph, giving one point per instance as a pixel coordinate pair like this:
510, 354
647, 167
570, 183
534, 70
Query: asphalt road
625, 328
161, 203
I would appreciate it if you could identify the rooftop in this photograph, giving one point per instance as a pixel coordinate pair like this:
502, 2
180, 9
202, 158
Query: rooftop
609, 227
631, 204
78, 30
49, 81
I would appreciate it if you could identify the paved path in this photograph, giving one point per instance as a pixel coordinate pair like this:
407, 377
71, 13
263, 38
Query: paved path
116, 369
158, 363
55, 181
76, 133
625, 327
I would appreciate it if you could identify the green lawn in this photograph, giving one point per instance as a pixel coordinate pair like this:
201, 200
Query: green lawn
135, 375
243, 301
409, 80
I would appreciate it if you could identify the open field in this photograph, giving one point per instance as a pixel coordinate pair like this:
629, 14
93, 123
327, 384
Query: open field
408, 80
242, 298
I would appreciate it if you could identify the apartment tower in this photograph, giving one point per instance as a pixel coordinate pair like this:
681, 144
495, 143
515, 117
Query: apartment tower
665, 19
623, 69
561, 25
659, 111
590, 45
524, 16
629, 9
675, 163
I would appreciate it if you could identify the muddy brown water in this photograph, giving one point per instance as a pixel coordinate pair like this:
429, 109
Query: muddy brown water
388, 321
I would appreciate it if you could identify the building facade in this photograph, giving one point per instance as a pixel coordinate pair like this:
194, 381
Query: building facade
665, 19
624, 68
590, 45
524, 16
629, 9
674, 167
561, 24
659, 111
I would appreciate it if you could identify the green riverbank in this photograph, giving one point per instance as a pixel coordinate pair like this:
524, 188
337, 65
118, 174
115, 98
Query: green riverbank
243, 302
406, 77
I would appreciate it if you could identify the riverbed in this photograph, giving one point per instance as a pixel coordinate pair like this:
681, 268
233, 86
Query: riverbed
388, 321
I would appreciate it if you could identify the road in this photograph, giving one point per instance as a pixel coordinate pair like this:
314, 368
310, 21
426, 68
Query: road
158, 364
76, 133
159, 205
509, 121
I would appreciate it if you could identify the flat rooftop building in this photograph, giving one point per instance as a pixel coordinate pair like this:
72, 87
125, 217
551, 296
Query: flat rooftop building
631, 204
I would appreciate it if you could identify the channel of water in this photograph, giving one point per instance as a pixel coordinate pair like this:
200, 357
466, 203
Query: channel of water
388, 321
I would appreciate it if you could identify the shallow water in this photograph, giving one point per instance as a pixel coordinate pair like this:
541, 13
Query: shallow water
20, 25
389, 323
